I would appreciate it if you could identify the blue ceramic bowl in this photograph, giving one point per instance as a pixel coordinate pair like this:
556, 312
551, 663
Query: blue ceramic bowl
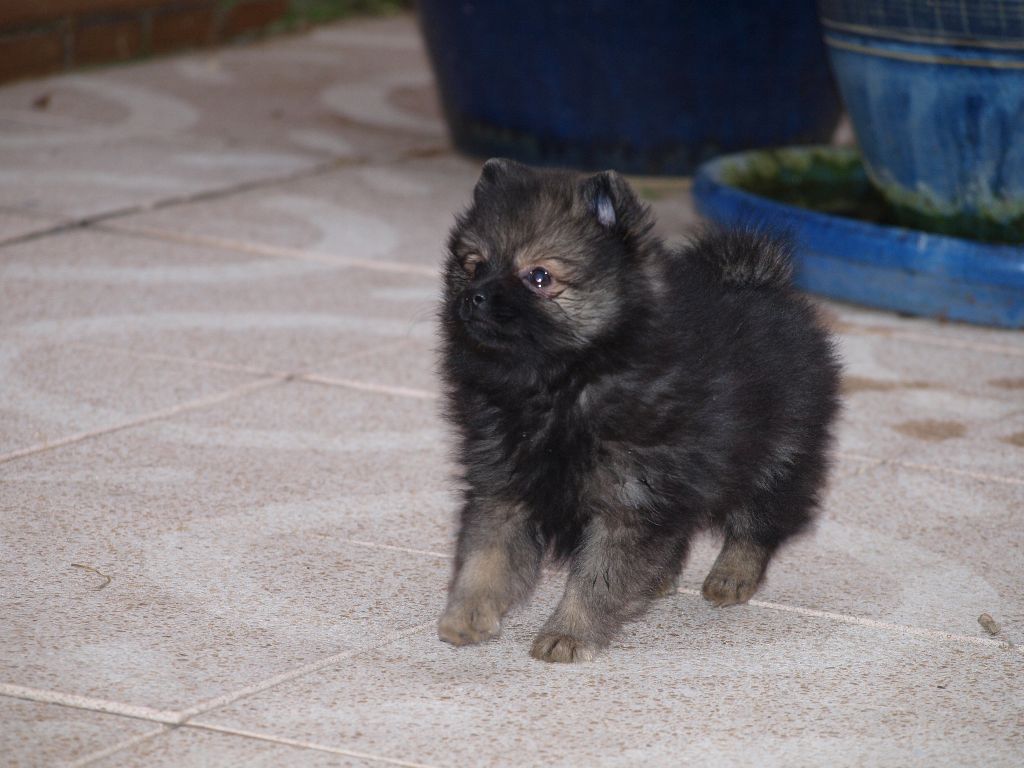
813, 193
650, 86
935, 91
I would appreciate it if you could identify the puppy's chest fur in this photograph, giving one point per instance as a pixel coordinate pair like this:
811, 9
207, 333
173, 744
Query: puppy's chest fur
552, 452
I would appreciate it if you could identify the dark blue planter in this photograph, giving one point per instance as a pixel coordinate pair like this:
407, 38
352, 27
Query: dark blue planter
651, 86
883, 266
935, 91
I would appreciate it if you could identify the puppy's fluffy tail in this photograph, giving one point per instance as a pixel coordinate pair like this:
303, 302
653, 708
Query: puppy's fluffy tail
745, 257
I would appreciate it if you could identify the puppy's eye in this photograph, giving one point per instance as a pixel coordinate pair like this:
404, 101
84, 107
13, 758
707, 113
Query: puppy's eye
539, 277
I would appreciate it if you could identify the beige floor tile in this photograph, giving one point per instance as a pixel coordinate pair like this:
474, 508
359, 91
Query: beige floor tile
936, 427
907, 547
161, 298
876, 363
950, 547
393, 213
688, 685
411, 366
360, 89
198, 748
961, 408
14, 224
223, 534
358, 442
56, 391
69, 174
925, 330
197, 611
389, 212
34, 734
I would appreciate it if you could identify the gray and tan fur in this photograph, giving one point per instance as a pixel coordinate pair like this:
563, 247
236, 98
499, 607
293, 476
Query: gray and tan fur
611, 397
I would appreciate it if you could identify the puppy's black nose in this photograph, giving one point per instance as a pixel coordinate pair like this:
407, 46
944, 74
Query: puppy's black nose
473, 300
466, 306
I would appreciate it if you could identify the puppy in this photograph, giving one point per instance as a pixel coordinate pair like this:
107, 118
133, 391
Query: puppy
612, 396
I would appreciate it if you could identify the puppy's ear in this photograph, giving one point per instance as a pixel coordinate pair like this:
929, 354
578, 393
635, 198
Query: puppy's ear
611, 201
495, 171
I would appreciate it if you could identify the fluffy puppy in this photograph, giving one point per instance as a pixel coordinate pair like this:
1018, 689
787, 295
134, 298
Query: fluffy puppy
611, 396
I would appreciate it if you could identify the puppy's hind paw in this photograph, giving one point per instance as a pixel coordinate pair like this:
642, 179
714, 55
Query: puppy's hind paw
667, 587
562, 648
462, 624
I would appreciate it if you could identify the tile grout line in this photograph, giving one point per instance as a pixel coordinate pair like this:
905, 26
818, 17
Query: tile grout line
935, 340
237, 367
108, 223
313, 666
226, 730
180, 359
95, 219
170, 719
814, 612
258, 249
873, 461
423, 394
309, 378
75, 701
324, 166
386, 389
49, 223
120, 746
943, 387
56, 229
175, 719
395, 548
304, 745
951, 471
365, 386
269, 378
189, 405
183, 718
250, 247
903, 629
862, 469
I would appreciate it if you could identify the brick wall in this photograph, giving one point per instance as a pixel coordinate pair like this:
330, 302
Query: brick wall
39, 37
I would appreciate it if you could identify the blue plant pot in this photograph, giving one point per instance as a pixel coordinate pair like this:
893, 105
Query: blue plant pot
652, 86
935, 91
813, 193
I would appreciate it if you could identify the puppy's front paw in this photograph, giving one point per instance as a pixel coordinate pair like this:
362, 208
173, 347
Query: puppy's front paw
551, 646
725, 587
721, 591
736, 574
468, 622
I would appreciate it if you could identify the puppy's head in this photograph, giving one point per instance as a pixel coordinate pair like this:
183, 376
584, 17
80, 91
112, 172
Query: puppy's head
544, 263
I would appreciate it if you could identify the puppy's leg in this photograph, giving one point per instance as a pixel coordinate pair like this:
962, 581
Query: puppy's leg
754, 532
611, 580
669, 584
737, 572
497, 563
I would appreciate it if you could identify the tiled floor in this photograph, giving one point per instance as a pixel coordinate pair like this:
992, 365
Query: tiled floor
225, 513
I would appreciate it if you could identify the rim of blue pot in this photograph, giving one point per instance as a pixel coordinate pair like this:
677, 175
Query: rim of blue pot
879, 245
